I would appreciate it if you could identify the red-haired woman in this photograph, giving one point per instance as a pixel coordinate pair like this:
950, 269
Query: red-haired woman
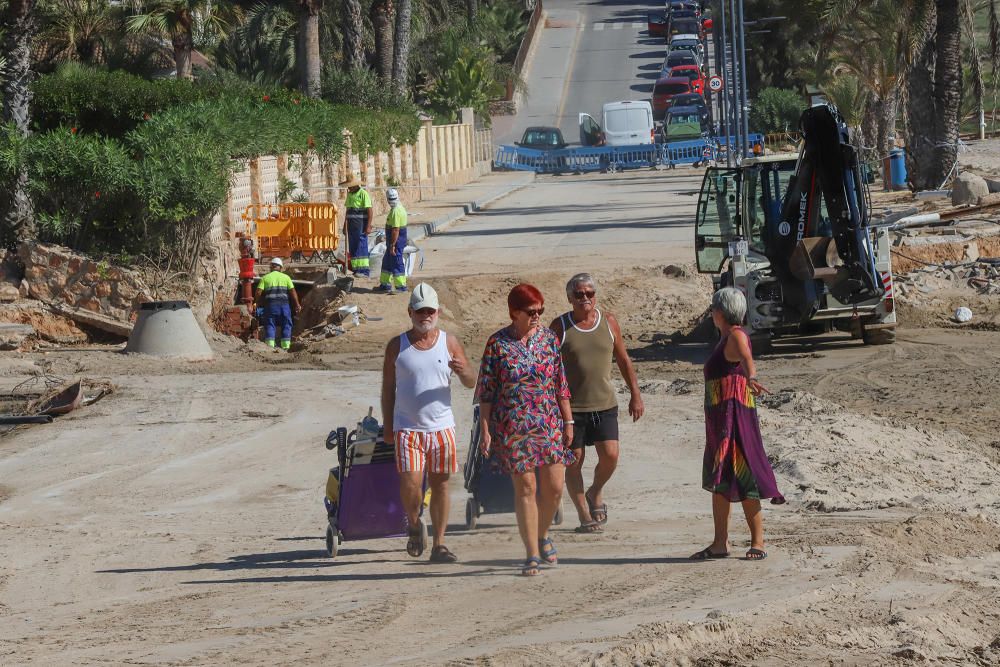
525, 415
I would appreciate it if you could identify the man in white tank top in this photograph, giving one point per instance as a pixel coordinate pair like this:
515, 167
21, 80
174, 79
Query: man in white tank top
416, 409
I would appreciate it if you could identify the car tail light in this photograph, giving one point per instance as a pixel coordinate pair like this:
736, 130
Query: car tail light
652, 135
889, 305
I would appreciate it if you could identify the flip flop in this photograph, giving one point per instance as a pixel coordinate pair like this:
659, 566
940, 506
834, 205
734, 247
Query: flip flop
599, 513
707, 553
414, 539
442, 554
532, 563
588, 527
756, 554
548, 551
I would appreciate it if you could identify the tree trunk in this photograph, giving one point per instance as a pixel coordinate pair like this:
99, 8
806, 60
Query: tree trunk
920, 111
869, 122
947, 89
471, 9
354, 52
183, 43
19, 28
309, 65
401, 47
887, 124
381, 16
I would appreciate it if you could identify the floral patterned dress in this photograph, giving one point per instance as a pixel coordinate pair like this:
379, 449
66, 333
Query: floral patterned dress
524, 384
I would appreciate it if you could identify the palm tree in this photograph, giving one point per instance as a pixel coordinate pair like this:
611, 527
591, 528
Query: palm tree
401, 46
264, 49
78, 30
18, 24
178, 20
353, 29
381, 18
310, 64
947, 89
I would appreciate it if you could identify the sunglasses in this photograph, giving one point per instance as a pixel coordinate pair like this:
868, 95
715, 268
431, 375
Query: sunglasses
579, 294
533, 312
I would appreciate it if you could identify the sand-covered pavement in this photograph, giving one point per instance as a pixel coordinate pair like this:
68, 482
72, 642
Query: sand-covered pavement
180, 520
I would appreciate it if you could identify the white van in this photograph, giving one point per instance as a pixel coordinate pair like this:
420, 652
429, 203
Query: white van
628, 123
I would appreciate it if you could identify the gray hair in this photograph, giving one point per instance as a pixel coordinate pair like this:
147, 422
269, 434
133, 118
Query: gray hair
580, 279
731, 303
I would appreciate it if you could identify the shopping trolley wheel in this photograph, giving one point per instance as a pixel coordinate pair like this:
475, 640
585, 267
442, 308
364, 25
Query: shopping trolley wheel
558, 518
331, 542
471, 513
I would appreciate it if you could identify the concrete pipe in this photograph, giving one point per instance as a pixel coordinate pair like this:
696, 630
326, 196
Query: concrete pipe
168, 329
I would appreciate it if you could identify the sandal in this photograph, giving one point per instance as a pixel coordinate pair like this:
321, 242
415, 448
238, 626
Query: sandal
442, 554
599, 513
588, 527
707, 553
532, 567
756, 554
415, 539
548, 551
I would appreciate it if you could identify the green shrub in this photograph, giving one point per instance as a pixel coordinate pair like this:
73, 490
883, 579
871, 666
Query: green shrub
136, 166
776, 110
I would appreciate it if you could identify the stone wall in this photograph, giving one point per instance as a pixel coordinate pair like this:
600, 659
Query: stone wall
57, 276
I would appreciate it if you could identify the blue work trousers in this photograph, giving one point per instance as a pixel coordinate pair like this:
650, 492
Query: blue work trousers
278, 316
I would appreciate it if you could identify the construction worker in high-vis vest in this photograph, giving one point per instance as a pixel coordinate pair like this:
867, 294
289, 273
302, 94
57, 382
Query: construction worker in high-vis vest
277, 297
393, 273
357, 225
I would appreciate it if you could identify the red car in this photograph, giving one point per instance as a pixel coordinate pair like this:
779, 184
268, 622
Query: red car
693, 74
656, 24
666, 88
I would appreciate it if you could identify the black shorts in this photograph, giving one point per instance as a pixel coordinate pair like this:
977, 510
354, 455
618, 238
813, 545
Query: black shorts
591, 427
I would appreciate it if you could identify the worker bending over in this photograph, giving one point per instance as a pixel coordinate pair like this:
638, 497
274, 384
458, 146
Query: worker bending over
276, 295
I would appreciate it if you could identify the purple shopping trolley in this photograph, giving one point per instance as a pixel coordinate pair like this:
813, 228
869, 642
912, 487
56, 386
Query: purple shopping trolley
367, 504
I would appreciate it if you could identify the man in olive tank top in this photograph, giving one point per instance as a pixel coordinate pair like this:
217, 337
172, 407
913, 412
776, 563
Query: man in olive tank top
591, 340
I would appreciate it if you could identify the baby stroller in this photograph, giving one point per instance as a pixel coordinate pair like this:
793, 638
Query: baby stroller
362, 494
492, 490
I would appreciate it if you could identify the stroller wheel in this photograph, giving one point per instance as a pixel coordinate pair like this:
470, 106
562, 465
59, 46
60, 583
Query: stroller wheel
558, 518
471, 513
331, 542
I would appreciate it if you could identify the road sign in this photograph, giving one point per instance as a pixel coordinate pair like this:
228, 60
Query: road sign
715, 84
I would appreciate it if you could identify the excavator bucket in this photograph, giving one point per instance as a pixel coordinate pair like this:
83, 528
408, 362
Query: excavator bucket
816, 258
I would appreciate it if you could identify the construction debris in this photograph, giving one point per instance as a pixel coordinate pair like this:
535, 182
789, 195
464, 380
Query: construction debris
963, 315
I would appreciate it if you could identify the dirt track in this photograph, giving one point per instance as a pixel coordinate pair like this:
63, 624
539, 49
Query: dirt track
180, 521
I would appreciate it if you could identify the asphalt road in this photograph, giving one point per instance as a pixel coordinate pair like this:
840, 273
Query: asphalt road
586, 55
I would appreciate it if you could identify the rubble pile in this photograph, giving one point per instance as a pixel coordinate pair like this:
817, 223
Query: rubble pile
983, 276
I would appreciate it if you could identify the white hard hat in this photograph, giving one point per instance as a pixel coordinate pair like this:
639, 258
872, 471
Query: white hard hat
424, 296
391, 195
276, 261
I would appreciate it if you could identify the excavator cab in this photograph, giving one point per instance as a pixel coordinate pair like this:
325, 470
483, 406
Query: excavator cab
717, 223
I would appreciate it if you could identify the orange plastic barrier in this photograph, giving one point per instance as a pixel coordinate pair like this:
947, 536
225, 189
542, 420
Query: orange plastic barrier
283, 229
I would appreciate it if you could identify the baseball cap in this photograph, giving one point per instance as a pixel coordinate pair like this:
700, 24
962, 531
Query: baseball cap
277, 261
424, 296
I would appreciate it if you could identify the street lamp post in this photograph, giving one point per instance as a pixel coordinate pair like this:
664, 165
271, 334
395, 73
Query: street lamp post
737, 140
744, 102
720, 59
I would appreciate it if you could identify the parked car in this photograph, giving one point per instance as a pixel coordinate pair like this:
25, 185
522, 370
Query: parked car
678, 58
675, 5
686, 27
684, 124
687, 42
692, 100
656, 24
542, 138
693, 74
626, 123
664, 90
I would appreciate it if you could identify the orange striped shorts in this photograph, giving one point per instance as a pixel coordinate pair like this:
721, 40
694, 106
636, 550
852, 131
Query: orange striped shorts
416, 449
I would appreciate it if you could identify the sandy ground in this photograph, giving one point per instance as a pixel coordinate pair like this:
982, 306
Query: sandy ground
180, 521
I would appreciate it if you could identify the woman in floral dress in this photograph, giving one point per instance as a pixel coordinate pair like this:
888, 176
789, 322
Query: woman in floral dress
525, 415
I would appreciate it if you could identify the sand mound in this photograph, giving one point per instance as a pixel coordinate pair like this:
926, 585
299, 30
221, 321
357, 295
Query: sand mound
832, 459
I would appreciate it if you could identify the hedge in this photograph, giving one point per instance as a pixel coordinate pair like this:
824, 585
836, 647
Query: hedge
123, 165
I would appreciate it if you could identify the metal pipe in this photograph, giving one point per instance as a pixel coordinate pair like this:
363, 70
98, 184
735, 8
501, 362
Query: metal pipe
737, 143
720, 57
745, 103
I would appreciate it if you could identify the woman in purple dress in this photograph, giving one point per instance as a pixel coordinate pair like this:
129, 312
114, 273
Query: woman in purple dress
525, 415
735, 467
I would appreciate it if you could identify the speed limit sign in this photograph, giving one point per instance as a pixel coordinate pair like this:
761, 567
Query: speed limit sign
715, 84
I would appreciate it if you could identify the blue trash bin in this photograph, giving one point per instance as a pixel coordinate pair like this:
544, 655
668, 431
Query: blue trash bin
894, 170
